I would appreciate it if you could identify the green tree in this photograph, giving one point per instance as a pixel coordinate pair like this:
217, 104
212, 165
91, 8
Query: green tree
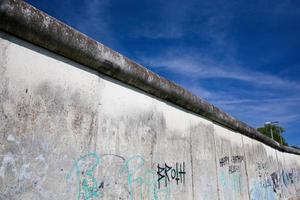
276, 130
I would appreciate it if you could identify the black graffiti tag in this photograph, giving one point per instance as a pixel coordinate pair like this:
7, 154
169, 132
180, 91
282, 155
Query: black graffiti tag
167, 173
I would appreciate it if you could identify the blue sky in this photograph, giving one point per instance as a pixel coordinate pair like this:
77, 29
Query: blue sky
241, 55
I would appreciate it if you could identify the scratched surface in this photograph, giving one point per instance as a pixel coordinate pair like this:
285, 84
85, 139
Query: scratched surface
68, 132
262, 169
204, 159
230, 160
44, 117
289, 175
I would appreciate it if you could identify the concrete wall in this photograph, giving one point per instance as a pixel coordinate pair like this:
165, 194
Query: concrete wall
70, 132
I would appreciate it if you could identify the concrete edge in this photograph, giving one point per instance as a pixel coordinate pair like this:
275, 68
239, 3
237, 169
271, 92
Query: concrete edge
24, 21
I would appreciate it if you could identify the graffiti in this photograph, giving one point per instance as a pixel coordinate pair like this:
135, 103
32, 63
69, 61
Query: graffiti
140, 177
259, 190
233, 163
289, 181
289, 177
261, 169
264, 180
261, 166
141, 181
275, 181
131, 167
85, 167
237, 159
135, 164
230, 176
234, 168
271, 184
167, 172
224, 161
266, 185
232, 181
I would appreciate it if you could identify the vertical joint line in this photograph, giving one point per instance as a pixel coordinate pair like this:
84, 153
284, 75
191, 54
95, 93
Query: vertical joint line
192, 167
245, 164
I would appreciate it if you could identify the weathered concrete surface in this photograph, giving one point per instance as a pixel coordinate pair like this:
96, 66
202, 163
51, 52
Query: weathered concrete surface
75, 134
27, 22
289, 176
230, 160
203, 155
262, 170
69, 132
44, 116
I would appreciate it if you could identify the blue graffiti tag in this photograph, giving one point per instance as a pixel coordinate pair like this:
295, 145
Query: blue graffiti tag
131, 167
85, 167
260, 190
139, 178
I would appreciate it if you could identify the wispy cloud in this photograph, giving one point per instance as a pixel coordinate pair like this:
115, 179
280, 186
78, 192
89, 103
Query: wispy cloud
165, 21
247, 101
192, 68
90, 19
198, 66
94, 19
257, 112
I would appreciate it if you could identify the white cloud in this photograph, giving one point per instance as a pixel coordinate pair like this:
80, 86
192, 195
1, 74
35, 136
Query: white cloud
191, 68
93, 20
198, 67
247, 101
256, 112
91, 16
